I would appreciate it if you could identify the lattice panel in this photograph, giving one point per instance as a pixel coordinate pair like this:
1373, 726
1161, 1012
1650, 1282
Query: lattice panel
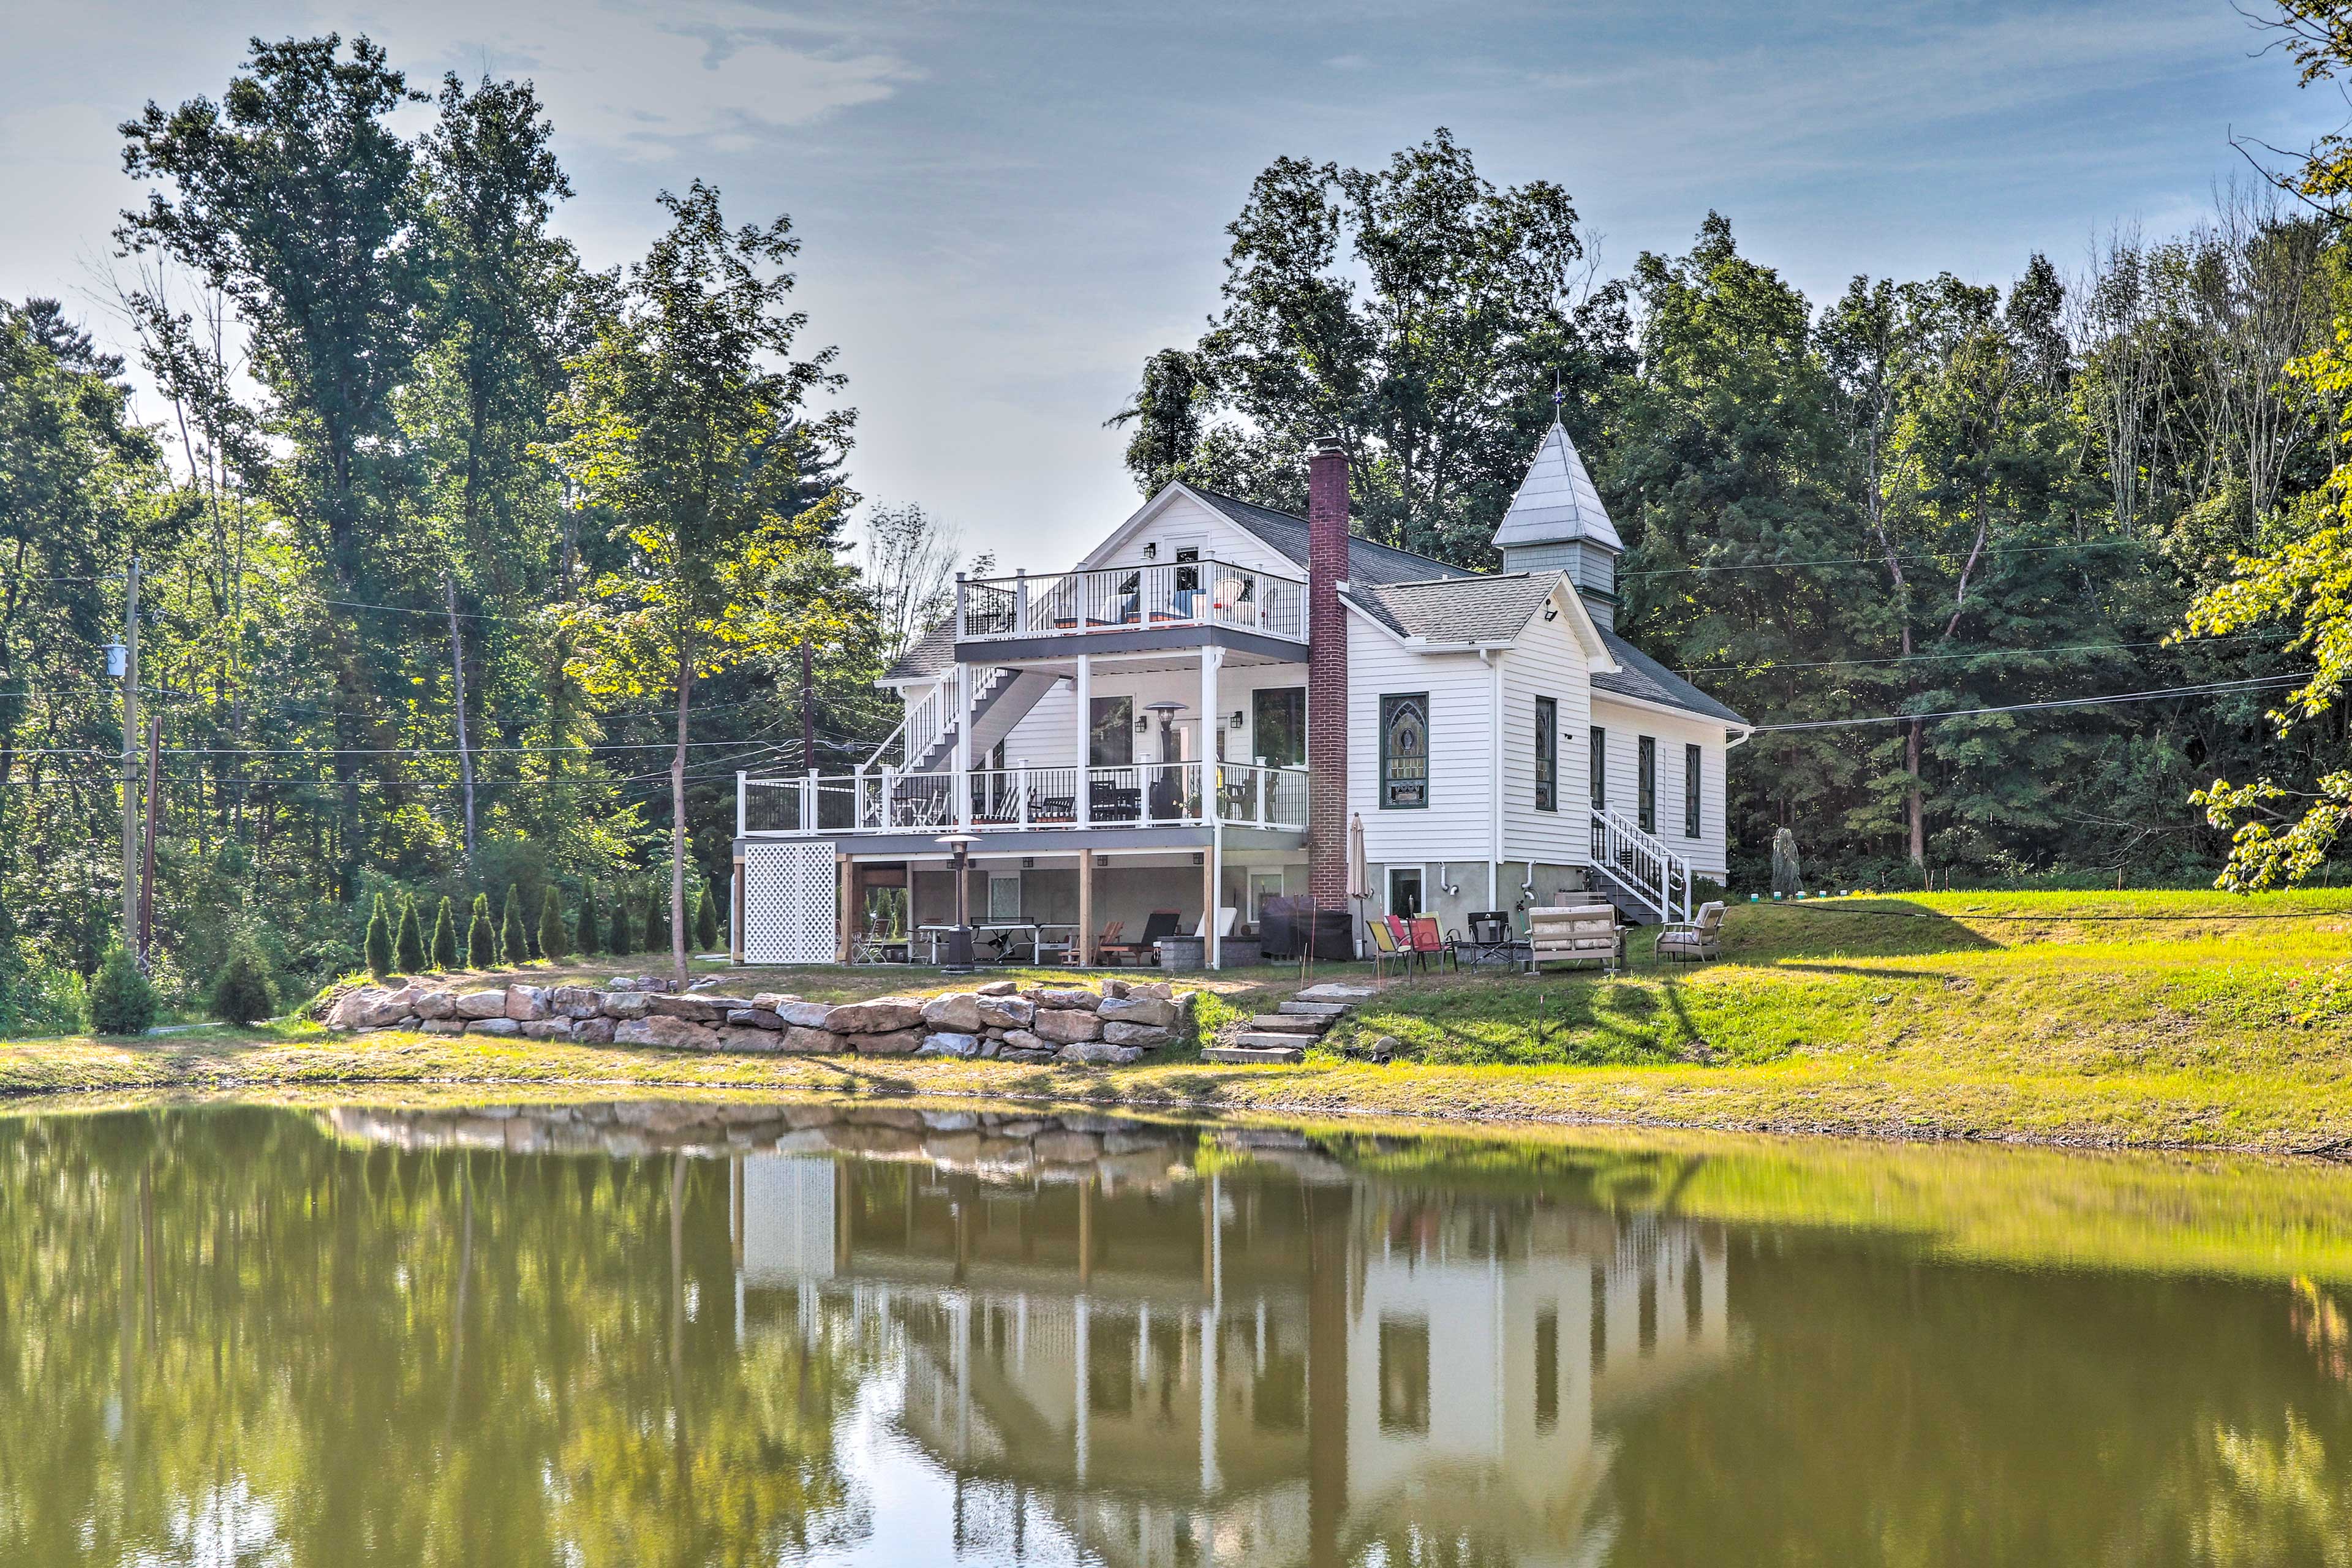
790, 903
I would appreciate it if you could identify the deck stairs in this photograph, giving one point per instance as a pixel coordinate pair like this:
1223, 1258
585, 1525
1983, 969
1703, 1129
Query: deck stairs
1648, 883
1003, 700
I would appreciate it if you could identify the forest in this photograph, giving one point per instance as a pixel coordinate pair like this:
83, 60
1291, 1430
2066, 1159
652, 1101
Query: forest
468, 569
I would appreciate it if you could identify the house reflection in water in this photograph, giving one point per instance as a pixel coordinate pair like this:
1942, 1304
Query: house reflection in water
1173, 1345
1273, 1361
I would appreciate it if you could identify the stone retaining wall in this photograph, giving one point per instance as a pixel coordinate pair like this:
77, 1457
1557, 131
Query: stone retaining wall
1000, 1020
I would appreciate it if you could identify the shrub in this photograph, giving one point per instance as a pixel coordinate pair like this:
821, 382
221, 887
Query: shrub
552, 943
445, 937
656, 922
514, 939
408, 944
481, 936
242, 992
706, 917
121, 1000
585, 938
378, 940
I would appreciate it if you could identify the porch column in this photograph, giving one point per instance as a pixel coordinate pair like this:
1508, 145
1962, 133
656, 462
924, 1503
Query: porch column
1085, 801
844, 874
963, 747
1213, 862
1087, 954
1212, 724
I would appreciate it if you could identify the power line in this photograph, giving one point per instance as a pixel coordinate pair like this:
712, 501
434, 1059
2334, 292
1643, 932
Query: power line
1767, 665
1876, 559
2256, 683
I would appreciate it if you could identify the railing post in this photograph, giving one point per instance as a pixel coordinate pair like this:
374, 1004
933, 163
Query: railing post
1020, 601
1020, 785
808, 802
739, 802
960, 630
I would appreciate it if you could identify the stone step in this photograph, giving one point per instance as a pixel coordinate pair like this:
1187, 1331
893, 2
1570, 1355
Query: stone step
1332, 991
1269, 1055
1291, 1023
1284, 1041
1312, 1009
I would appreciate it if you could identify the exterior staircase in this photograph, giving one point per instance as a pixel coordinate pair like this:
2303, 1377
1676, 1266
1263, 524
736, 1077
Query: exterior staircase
1648, 883
1003, 700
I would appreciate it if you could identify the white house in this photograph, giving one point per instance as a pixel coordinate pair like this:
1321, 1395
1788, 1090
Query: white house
1191, 717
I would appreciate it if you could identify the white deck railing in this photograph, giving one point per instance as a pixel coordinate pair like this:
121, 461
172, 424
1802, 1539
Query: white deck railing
1125, 598
1139, 794
1644, 864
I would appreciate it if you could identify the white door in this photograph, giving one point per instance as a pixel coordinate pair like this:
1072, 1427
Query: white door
790, 903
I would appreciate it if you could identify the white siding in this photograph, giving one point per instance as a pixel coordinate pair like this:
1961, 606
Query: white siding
1546, 661
1625, 723
1455, 823
1188, 524
1048, 736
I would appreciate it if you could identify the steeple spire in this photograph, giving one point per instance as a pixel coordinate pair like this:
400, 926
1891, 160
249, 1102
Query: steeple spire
1557, 502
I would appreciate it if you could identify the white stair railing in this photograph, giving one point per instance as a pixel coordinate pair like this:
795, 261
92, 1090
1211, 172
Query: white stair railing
1642, 863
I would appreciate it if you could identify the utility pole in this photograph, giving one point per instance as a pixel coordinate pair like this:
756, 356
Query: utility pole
147, 840
465, 747
130, 754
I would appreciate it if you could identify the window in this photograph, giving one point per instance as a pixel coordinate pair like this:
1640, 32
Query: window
1188, 571
1599, 766
1404, 752
1691, 755
1110, 723
1278, 726
1404, 891
1547, 1368
1547, 753
1404, 1374
1645, 784
1263, 885
1004, 895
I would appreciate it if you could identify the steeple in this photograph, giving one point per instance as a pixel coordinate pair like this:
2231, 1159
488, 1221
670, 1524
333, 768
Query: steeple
1557, 523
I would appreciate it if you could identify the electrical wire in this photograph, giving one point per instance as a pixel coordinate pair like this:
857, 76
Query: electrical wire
1765, 667
1876, 559
2258, 683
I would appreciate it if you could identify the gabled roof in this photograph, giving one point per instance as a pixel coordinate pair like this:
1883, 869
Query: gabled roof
1642, 677
1367, 562
1556, 500
932, 653
1481, 609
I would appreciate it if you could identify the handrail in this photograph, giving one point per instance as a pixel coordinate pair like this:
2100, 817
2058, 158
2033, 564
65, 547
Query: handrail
1642, 862
1207, 592
885, 799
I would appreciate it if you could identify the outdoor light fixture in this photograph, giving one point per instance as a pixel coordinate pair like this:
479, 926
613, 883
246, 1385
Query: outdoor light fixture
1551, 612
960, 960
1238, 720
1152, 552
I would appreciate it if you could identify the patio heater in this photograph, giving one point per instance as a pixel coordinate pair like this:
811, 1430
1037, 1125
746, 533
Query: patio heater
1167, 789
959, 959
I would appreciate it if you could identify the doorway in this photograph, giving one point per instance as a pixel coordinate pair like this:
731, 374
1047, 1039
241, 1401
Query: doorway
1404, 891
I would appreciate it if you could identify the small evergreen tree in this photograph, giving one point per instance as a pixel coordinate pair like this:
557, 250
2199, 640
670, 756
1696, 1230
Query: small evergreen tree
514, 941
706, 917
628, 931
119, 1001
585, 937
656, 924
481, 936
378, 940
408, 945
242, 992
551, 945
445, 937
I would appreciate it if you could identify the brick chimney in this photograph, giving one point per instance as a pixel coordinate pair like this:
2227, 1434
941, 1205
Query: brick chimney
1327, 675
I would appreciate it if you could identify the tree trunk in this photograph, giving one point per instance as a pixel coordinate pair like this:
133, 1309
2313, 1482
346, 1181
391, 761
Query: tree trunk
678, 824
1916, 802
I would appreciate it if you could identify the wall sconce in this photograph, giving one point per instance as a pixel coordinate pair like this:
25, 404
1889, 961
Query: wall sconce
1142, 725
1028, 862
1152, 552
1551, 612
1237, 720
1199, 858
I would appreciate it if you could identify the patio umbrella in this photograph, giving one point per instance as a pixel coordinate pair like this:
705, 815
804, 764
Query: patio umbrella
1359, 872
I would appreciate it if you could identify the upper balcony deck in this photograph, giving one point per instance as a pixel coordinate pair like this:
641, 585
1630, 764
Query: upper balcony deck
1177, 602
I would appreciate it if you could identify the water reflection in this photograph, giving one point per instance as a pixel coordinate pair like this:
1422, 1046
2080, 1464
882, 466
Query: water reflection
688, 1334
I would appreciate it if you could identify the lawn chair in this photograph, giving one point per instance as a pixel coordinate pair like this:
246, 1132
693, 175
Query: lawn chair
1692, 942
1387, 952
1429, 944
1146, 948
1572, 935
1491, 940
1108, 946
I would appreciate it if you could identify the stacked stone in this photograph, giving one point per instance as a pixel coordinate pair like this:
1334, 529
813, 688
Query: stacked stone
999, 1020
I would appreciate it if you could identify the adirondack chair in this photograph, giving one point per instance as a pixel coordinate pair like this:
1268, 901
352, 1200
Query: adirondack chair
1692, 942
1145, 949
1429, 943
1388, 952
1108, 946
1572, 935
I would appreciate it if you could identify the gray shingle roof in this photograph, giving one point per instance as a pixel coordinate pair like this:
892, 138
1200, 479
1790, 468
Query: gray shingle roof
1470, 609
1367, 562
932, 653
1639, 675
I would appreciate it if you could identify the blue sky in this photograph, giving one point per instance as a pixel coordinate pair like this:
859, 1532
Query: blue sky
1006, 205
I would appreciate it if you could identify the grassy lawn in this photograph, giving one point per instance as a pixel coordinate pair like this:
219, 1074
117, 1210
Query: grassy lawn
2193, 1019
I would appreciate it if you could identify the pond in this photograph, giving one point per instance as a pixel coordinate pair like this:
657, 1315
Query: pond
688, 1332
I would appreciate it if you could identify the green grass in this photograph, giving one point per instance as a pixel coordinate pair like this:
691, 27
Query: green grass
2158, 1018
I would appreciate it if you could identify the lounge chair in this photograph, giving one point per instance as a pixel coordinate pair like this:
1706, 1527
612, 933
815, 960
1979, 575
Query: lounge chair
1429, 943
1693, 940
1388, 952
1572, 935
1145, 949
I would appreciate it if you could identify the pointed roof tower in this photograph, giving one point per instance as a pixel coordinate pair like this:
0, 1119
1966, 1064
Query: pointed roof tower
1557, 502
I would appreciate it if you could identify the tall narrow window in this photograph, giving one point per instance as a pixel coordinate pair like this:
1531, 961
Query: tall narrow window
1599, 766
1404, 752
1645, 785
1110, 726
1691, 755
1547, 753
1547, 1368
